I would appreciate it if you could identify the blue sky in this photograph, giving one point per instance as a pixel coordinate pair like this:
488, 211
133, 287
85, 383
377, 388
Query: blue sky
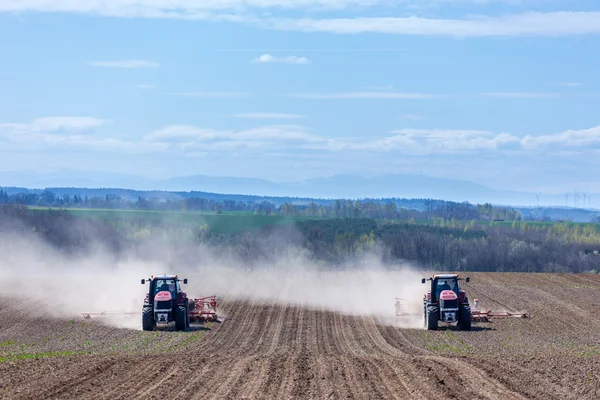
505, 93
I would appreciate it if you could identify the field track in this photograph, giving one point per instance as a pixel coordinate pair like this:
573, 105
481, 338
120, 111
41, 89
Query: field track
275, 351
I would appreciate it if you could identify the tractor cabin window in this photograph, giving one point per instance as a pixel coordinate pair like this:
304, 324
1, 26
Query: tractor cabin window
445, 284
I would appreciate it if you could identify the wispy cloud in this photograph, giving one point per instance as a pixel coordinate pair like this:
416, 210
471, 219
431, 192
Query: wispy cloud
563, 23
267, 116
444, 141
210, 95
379, 88
178, 133
316, 49
146, 86
56, 124
568, 84
410, 117
364, 95
270, 59
383, 94
130, 64
523, 95
533, 23
191, 139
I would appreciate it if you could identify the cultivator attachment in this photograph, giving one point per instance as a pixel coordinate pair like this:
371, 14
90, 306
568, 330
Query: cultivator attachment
104, 314
407, 309
484, 316
203, 309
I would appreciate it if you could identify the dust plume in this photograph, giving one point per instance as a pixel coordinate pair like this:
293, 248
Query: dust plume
66, 286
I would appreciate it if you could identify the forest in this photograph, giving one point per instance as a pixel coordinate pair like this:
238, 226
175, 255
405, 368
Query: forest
442, 244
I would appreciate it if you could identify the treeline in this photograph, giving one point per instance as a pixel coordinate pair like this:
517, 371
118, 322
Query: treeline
444, 245
60, 229
369, 208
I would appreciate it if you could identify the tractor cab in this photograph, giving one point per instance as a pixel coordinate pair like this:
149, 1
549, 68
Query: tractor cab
440, 283
166, 285
163, 283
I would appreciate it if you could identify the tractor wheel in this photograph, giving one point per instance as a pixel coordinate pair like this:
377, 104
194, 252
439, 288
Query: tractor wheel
180, 316
433, 315
464, 317
148, 319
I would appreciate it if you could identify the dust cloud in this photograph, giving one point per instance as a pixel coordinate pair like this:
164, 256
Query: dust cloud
56, 285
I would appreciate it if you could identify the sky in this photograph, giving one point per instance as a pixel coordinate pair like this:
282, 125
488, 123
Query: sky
504, 93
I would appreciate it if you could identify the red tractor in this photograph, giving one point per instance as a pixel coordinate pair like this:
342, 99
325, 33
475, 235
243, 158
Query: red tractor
165, 302
446, 302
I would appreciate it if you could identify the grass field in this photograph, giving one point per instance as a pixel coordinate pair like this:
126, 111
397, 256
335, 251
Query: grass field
226, 222
239, 221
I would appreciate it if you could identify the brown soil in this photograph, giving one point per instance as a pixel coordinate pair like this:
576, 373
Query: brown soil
275, 351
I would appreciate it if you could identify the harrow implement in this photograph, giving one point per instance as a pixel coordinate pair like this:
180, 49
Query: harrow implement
203, 309
406, 309
126, 314
484, 316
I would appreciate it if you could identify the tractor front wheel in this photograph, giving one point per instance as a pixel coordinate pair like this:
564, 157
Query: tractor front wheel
148, 319
433, 315
464, 317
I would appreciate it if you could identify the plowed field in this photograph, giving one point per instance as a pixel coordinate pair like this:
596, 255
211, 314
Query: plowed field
279, 351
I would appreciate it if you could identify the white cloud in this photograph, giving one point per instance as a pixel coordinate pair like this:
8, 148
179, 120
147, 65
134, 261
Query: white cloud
267, 116
428, 141
61, 132
130, 64
440, 141
581, 139
269, 59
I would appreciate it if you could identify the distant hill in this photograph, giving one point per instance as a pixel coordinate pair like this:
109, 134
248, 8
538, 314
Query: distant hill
334, 187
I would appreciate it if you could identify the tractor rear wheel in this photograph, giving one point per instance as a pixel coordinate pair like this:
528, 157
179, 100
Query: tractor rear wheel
187, 314
180, 317
148, 319
433, 315
464, 317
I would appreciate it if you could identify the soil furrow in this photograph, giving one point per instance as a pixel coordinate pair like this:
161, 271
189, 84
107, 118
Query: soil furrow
266, 350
